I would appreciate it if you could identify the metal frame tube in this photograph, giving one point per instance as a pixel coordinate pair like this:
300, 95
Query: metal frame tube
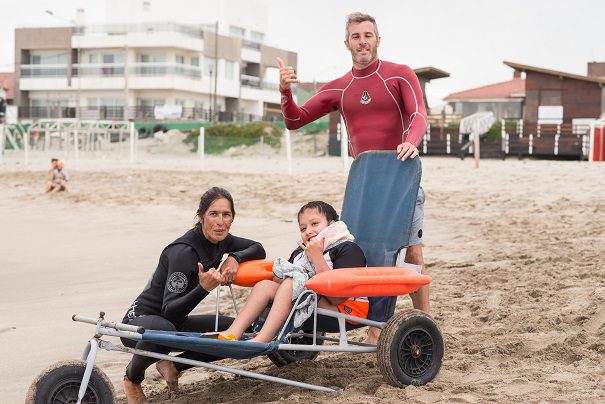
93, 346
108, 346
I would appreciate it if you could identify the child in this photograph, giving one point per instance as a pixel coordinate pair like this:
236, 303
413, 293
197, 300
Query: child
326, 245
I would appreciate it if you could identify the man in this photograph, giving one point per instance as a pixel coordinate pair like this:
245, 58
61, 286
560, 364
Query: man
382, 107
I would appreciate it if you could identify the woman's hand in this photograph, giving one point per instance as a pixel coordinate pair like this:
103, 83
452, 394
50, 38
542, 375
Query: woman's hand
228, 271
209, 279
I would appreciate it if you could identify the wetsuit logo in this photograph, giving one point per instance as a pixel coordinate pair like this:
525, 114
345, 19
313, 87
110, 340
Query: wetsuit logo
365, 98
177, 283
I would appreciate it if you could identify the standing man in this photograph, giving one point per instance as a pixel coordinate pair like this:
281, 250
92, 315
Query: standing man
382, 107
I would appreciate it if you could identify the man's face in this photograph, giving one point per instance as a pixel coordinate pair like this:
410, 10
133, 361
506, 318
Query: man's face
362, 43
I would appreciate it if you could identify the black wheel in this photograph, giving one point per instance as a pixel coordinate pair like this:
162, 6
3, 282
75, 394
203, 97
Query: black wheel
159, 128
410, 349
60, 383
283, 358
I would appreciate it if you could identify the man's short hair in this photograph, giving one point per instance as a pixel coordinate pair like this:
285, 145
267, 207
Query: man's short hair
356, 18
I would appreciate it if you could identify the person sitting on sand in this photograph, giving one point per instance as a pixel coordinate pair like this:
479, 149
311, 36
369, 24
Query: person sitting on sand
317, 252
57, 176
185, 275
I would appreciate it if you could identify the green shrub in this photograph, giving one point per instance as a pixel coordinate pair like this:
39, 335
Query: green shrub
219, 138
495, 133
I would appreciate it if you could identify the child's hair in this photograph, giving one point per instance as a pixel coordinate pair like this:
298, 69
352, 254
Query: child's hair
323, 208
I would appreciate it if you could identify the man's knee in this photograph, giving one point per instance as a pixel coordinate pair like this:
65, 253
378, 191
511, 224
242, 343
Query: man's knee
413, 255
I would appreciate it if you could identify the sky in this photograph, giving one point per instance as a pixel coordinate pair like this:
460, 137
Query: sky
467, 38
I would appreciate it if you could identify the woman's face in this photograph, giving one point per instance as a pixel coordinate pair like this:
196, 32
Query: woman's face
217, 220
310, 223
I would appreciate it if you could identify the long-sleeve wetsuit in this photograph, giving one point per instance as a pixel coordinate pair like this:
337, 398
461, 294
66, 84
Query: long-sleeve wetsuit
174, 291
382, 106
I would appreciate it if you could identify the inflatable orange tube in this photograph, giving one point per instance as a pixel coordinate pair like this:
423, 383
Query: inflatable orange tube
370, 281
251, 272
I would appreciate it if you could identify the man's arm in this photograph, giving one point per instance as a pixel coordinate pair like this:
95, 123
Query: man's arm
413, 103
322, 103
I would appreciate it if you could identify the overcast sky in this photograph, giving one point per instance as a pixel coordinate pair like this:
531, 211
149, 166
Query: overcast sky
467, 38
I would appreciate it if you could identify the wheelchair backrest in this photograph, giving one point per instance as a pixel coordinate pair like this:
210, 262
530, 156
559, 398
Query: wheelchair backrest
379, 203
378, 208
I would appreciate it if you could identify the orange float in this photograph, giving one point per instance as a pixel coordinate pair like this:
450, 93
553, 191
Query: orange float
370, 281
343, 282
251, 272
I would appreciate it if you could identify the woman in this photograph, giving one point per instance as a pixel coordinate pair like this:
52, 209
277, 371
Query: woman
185, 275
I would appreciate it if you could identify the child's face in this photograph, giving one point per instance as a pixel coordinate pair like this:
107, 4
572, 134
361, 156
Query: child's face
310, 223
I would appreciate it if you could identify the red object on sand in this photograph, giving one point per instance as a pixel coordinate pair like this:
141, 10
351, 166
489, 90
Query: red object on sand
250, 273
370, 281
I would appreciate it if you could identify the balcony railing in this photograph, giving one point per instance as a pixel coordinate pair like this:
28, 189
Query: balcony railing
256, 82
246, 43
124, 29
44, 70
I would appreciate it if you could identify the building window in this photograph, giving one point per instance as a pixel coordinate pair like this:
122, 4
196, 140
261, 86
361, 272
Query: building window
257, 36
229, 70
180, 59
49, 59
236, 31
146, 5
195, 61
152, 58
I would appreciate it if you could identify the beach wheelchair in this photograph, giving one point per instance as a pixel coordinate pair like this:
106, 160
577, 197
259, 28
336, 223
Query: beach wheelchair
410, 348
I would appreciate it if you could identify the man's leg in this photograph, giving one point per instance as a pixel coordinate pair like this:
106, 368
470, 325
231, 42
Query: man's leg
420, 298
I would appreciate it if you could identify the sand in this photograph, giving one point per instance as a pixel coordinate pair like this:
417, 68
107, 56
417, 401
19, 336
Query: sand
515, 249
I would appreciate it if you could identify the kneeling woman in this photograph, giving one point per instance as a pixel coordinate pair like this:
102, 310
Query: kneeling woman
185, 275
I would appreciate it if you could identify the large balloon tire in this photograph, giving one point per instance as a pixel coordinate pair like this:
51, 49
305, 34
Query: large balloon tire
410, 349
60, 383
283, 358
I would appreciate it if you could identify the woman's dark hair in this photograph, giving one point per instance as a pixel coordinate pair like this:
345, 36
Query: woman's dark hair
212, 195
323, 208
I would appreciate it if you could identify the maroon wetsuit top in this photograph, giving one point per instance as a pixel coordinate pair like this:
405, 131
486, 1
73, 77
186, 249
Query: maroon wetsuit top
382, 106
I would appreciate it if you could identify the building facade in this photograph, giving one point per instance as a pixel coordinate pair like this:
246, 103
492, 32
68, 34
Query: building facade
151, 57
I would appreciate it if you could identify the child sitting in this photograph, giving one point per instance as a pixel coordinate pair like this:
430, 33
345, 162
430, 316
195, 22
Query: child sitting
326, 245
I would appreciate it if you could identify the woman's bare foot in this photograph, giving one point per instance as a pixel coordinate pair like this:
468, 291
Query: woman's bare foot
134, 392
169, 373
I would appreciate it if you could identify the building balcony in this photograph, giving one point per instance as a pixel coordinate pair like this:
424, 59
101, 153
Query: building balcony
156, 35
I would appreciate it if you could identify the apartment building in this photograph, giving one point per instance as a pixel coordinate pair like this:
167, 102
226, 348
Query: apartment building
152, 56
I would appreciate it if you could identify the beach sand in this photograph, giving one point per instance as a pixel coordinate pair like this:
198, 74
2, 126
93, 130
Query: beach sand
515, 249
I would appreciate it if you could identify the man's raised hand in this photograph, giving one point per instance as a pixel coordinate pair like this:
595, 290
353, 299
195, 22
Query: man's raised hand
287, 75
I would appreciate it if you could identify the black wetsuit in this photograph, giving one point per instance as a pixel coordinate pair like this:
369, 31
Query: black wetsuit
174, 291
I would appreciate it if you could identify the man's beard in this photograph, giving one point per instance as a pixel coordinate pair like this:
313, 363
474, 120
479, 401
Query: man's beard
365, 60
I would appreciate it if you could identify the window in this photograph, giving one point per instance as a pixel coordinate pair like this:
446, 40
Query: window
93, 58
146, 5
49, 59
180, 59
195, 61
229, 70
109, 58
152, 58
257, 36
236, 31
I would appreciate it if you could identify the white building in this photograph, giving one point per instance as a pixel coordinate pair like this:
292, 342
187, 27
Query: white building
152, 53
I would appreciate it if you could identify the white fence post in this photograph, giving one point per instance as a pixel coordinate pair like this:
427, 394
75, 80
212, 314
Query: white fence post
288, 150
201, 142
76, 140
132, 132
448, 147
531, 143
2, 142
25, 144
